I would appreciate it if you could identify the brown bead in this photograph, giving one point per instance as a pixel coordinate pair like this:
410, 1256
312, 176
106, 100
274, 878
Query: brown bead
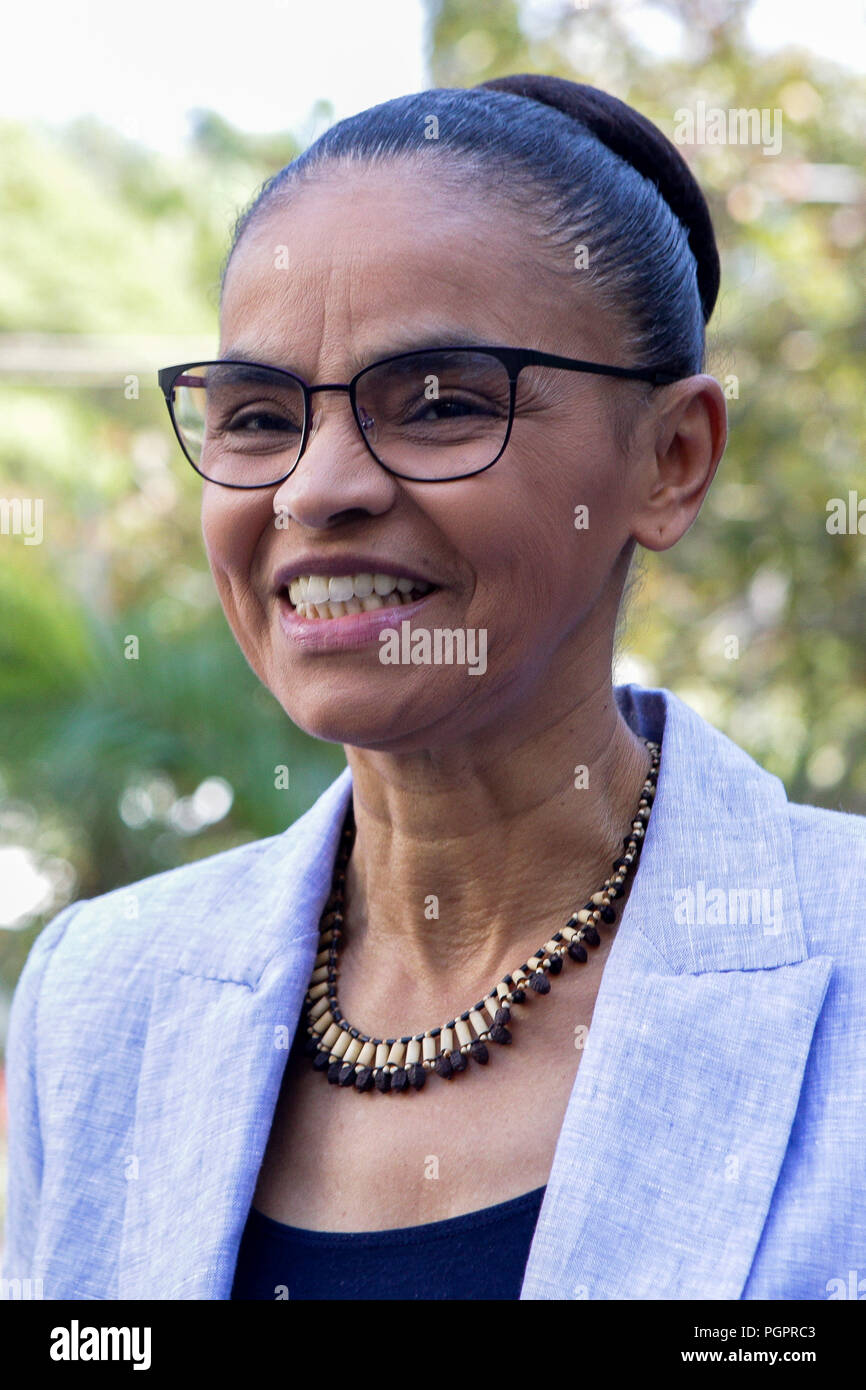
443, 1066
478, 1051
416, 1074
399, 1079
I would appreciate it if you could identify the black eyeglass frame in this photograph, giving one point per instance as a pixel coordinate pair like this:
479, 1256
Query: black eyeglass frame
513, 359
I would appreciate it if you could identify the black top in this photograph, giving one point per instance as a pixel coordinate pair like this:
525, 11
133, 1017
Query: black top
480, 1255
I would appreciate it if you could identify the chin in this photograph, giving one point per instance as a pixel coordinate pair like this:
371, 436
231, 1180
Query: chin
372, 720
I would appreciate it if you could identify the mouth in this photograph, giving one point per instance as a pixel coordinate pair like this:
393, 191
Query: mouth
318, 597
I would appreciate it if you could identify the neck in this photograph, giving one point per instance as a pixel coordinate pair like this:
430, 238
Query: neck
465, 862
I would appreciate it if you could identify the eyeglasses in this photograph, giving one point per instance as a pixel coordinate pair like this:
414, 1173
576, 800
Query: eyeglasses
429, 416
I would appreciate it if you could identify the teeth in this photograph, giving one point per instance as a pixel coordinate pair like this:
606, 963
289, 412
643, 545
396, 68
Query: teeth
341, 588
352, 605
317, 590
324, 596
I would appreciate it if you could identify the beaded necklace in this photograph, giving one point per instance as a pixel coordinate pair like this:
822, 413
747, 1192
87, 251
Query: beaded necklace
352, 1058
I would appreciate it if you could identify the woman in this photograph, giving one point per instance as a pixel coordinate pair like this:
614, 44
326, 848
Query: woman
511, 285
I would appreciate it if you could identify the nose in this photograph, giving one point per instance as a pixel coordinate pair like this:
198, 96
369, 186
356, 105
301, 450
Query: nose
335, 475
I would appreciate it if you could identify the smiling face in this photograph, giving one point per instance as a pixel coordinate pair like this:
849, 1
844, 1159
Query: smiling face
380, 260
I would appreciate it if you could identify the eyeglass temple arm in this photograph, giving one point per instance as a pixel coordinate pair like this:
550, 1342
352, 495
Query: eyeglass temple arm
548, 359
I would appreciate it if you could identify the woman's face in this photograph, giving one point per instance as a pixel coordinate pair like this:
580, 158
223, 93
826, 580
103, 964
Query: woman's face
378, 261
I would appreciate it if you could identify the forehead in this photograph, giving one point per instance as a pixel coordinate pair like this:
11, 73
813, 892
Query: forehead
372, 260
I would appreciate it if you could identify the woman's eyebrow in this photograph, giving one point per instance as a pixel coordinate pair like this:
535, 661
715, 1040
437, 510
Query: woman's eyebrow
423, 339
233, 354
420, 340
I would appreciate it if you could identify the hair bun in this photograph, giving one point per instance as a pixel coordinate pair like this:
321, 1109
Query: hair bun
636, 140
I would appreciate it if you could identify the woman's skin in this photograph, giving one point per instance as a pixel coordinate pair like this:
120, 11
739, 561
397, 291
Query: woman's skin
463, 785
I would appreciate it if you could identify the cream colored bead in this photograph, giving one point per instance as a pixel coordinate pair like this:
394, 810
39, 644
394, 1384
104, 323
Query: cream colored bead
331, 1037
428, 1048
366, 1055
584, 916
319, 975
599, 899
317, 991
447, 1039
382, 1051
464, 1033
321, 959
478, 1022
569, 932
518, 975
322, 1024
492, 1006
342, 1043
413, 1052
320, 1007
551, 945
353, 1051
397, 1053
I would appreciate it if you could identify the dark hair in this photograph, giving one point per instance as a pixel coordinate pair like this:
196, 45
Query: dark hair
585, 166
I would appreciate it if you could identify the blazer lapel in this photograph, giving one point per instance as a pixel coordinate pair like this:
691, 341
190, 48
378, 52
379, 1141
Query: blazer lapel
220, 1025
682, 1106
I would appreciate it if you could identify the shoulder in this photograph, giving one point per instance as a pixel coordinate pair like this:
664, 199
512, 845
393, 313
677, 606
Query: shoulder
829, 849
837, 829
228, 908
140, 920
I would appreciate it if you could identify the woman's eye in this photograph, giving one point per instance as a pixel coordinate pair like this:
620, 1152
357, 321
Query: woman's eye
261, 422
449, 408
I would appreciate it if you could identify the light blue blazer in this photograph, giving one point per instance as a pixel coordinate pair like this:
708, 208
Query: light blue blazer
714, 1144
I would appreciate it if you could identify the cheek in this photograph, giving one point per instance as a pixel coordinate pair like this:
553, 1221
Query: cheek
232, 526
548, 528
226, 525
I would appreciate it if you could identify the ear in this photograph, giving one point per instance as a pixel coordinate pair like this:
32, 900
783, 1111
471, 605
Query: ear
686, 441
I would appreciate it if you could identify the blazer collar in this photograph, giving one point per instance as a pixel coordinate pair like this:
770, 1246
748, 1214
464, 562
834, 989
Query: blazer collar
681, 1108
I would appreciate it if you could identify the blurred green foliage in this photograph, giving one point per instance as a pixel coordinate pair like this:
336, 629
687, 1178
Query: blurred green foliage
101, 237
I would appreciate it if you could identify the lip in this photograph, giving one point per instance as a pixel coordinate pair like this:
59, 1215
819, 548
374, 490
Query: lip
352, 630
333, 565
